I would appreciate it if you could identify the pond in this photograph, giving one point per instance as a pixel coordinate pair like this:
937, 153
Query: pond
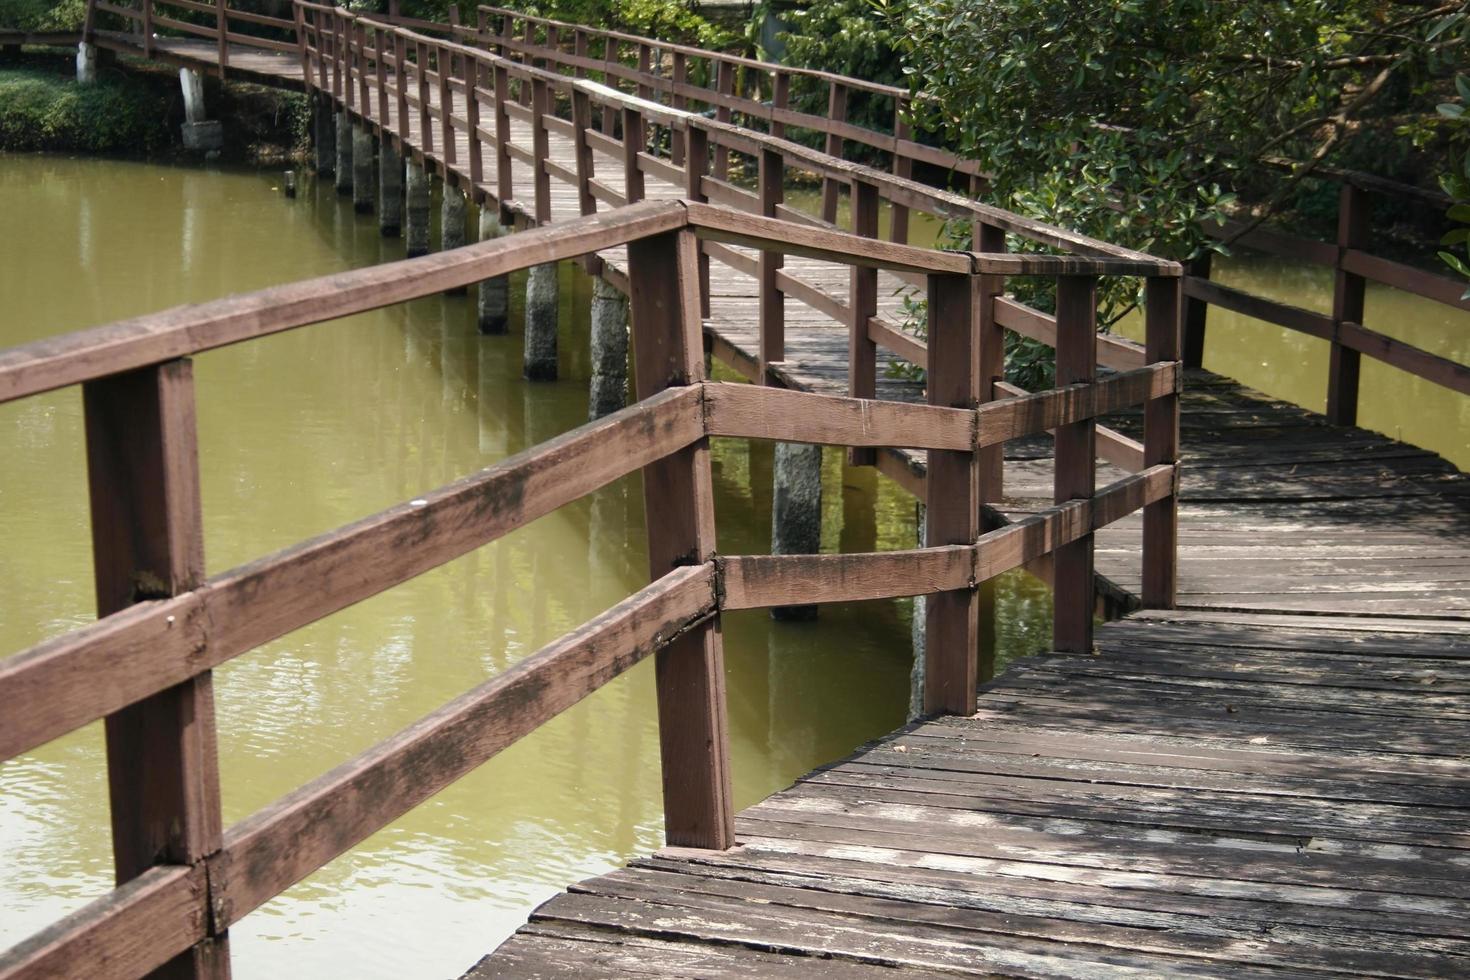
305, 431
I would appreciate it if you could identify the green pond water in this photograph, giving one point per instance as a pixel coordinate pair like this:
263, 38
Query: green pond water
306, 431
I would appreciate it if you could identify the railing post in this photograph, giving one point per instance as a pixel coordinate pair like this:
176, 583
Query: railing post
444, 62
991, 353
579, 48
426, 125
222, 26
541, 150
400, 84
678, 101
903, 167
862, 353
504, 179
645, 68
148, 543
772, 300
472, 71
724, 85
632, 146
380, 64
952, 631
780, 99
836, 112
1195, 312
609, 59
1073, 589
147, 6
585, 160
689, 672
696, 165
1161, 446
1347, 306
364, 96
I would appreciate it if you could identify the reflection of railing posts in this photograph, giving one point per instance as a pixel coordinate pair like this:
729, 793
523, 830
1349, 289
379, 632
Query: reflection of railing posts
772, 300
690, 674
1161, 446
836, 113
1076, 444
147, 544
1347, 306
952, 509
862, 365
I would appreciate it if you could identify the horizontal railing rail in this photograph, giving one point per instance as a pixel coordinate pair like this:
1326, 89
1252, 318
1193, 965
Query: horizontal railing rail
1353, 266
469, 121
155, 21
145, 664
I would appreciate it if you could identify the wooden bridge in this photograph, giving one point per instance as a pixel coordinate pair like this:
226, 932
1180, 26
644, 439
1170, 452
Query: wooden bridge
1218, 784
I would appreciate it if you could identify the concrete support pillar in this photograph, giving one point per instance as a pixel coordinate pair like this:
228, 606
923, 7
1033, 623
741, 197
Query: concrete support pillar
86, 63
417, 210
200, 133
364, 188
920, 626
796, 514
494, 298
452, 224
609, 389
343, 170
541, 317
324, 135
390, 190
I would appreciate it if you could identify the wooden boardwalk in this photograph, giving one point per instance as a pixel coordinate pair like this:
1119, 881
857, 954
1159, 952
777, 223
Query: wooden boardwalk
1209, 795
1272, 780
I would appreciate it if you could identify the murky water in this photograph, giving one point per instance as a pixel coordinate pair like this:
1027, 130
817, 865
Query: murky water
306, 431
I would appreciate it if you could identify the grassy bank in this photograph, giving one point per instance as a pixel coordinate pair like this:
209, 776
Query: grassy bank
136, 109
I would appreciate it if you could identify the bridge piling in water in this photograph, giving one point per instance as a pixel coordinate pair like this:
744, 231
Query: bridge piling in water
796, 512
417, 209
452, 224
493, 300
86, 63
390, 190
609, 386
541, 314
363, 184
200, 132
324, 135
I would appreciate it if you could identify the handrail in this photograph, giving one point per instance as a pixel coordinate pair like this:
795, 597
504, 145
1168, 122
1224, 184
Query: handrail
148, 657
1353, 266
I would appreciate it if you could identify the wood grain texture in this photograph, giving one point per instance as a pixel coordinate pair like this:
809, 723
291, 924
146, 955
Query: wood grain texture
1076, 463
148, 543
693, 730
130, 932
792, 416
758, 581
952, 505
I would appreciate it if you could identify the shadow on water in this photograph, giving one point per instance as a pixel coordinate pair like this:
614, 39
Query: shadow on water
305, 431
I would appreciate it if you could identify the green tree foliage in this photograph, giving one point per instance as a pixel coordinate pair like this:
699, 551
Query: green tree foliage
1136, 121
844, 37
43, 111
42, 15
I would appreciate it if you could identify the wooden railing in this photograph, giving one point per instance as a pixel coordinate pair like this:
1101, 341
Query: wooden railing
145, 665
416, 90
215, 20
1353, 264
